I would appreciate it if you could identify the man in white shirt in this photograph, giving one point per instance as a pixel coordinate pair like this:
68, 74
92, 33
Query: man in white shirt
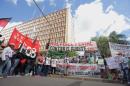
6, 60
53, 66
47, 66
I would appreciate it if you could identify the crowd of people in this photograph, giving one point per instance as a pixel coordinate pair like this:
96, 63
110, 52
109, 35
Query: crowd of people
15, 63
118, 68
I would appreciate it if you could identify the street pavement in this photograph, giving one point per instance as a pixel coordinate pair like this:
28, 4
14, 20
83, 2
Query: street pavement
49, 81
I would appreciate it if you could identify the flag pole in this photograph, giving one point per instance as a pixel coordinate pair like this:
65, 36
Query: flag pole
47, 22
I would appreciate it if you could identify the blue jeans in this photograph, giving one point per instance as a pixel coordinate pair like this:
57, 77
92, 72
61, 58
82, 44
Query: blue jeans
6, 65
39, 69
46, 70
129, 75
1, 67
16, 61
126, 74
30, 68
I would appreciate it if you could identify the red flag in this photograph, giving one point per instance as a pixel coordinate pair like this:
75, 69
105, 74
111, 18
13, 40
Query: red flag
16, 38
27, 48
4, 22
28, 42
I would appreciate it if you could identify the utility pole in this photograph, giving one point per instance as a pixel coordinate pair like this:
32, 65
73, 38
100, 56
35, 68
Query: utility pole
47, 44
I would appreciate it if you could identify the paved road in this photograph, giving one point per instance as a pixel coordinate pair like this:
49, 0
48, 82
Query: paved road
48, 81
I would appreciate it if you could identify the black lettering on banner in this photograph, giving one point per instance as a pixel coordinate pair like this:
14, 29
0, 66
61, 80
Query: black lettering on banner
58, 48
51, 48
30, 52
23, 50
72, 48
67, 49
55, 48
63, 48
33, 53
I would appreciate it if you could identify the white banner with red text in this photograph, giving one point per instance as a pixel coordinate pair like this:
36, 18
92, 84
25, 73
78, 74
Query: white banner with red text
78, 69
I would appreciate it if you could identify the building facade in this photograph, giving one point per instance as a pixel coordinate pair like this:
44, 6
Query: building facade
57, 27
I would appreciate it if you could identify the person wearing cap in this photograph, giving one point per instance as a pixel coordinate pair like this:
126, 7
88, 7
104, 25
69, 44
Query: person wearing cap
6, 59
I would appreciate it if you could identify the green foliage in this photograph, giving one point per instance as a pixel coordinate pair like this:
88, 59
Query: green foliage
117, 38
103, 42
71, 53
56, 54
103, 45
113, 37
61, 54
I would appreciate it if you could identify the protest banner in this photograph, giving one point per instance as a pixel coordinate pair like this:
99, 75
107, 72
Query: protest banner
101, 61
79, 69
119, 48
81, 46
112, 63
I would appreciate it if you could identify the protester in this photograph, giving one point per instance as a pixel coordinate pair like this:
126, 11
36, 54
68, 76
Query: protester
128, 70
6, 60
22, 65
124, 67
15, 60
53, 66
30, 68
47, 66
40, 60
66, 61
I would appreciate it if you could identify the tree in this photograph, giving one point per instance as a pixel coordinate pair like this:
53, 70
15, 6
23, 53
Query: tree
95, 39
113, 37
71, 53
122, 39
103, 45
117, 38
103, 42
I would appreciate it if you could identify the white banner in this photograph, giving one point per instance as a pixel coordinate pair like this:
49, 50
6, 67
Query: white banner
112, 63
119, 48
79, 69
81, 46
